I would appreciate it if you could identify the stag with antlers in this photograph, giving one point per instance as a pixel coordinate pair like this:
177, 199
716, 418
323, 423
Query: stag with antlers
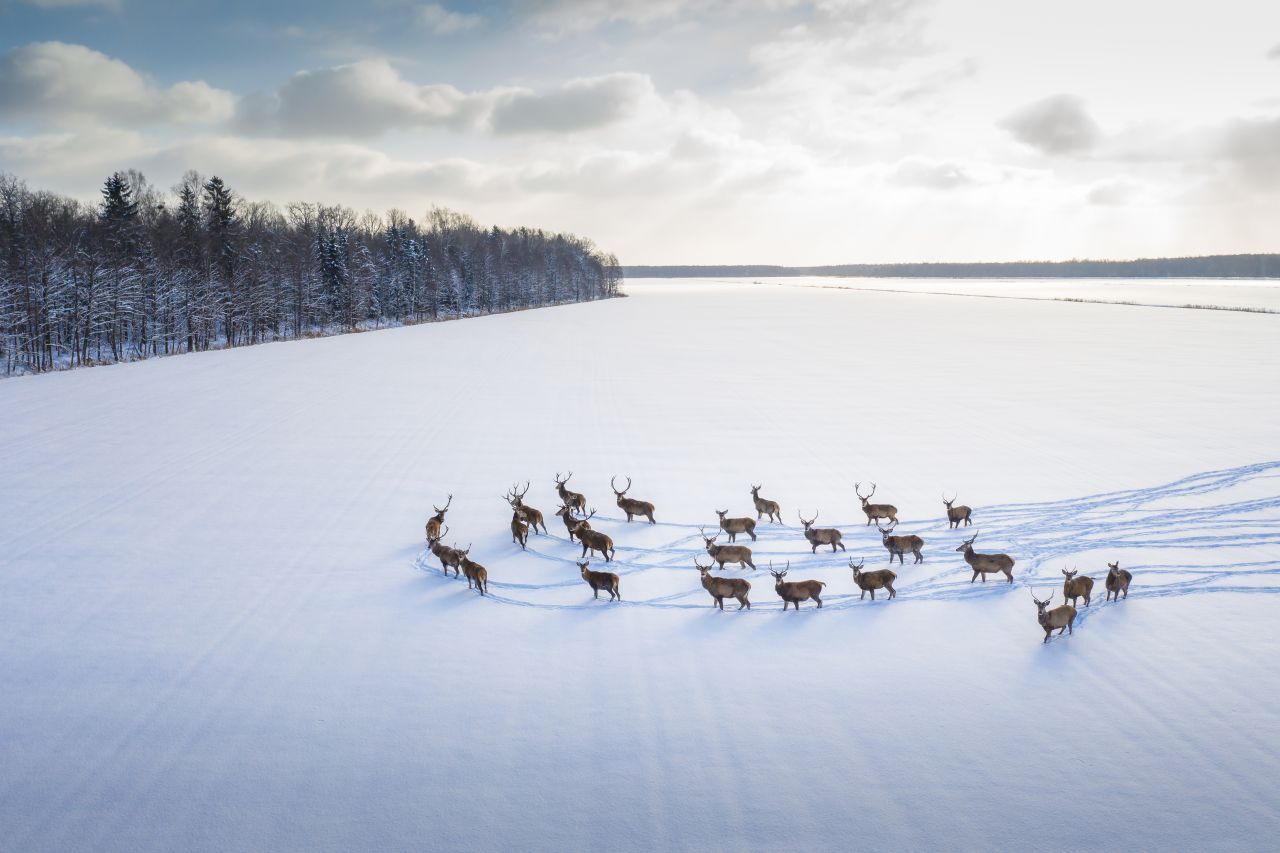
571, 524
1058, 619
875, 512
722, 588
794, 592
593, 540
765, 507
956, 514
985, 564
573, 500
899, 545
821, 535
531, 515
519, 524
871, 581
434, 522
631, 506
722, 554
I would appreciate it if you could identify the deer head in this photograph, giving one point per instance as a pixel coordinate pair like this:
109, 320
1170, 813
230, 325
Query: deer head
807, 523
967, 545
704, 569
949, 502
867, 497
613, 485
559, 482
1041, 605
710, 540
886, 532
1070, 574
778, 576
441, 511
857, 570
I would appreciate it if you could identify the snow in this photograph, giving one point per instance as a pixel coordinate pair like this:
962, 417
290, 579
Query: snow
218, 629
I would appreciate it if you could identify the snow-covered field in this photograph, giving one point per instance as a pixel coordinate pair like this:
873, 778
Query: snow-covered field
218, 631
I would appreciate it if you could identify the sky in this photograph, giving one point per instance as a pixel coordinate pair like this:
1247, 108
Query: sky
706, 131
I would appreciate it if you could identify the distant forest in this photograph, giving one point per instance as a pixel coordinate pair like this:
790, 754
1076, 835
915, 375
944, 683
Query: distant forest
1210, 266
143, 273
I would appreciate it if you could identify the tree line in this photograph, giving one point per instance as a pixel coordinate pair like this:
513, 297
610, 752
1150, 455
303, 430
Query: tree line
144, 273
1207, 266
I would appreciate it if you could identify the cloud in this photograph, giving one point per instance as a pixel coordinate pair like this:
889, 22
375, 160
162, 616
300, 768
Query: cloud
577, 105
359, 100
1115, 192
68, 82
929, 174
1252, 148
442, 21
1057, 125
369, 98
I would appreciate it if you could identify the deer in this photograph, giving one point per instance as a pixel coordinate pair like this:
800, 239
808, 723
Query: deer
607, 581
1117, 581
1074, 587
533, 516
875, 512
765, 507
985, 564
435, 521
722, 554
734, 526
448, 557
956, 514
871, 581
821, 535
722, 588
474, 572
899, 545
594, 540
519, 525
574, 500
1058, 619
794, 592
570, 523
631, 506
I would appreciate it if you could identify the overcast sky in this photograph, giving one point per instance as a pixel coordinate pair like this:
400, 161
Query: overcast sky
766, 131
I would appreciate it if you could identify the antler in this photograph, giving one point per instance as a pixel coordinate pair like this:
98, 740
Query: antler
802, 521
446, 506
559, 482
953, 500
857, 488
701, 567
526, 490
612, 485
593, 512
861, 563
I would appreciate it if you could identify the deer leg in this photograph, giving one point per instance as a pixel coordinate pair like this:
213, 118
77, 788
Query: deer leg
753, 534
819, 600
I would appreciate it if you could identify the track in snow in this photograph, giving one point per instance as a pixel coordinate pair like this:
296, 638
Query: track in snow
1193, 517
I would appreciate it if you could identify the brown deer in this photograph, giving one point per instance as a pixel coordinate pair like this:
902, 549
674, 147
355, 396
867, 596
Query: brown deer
765, 507
574, 500
593, 540
448, 557
899, 545
871, 581
722, 554
1074, 587
477, 574
956, 514
607, 581
821, 535
434, 522
722, 588
519, 526
631, 506
531, 515
985, 564
1058, 619
794, 592
1117, 581
734, 526
875, 511
570, 523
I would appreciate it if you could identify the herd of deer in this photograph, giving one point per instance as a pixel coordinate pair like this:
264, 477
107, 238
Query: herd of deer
525, 519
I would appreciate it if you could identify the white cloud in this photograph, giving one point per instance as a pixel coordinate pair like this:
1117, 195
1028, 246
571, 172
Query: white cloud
577, 105
929, 174
62, 83
443, 21
369, 98
1057, 125
1114, 192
